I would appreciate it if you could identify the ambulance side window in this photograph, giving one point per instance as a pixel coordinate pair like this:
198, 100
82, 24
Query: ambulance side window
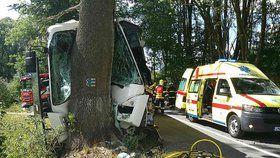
182, 84
194, 86
223, 87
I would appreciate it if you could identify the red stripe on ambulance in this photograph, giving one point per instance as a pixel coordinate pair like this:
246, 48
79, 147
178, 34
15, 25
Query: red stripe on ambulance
225, 107
181, 92
194, 101
209, 74
261, 104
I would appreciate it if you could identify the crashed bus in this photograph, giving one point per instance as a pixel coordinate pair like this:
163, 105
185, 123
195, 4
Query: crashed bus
129, 100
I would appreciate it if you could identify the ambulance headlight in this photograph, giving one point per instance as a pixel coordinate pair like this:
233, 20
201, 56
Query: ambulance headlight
251, 108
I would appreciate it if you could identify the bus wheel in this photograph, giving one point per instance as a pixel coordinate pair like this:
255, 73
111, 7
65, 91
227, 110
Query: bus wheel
234, 127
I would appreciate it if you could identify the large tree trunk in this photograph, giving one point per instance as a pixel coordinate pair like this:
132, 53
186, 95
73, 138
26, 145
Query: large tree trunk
262, 35
242, 25
92, 62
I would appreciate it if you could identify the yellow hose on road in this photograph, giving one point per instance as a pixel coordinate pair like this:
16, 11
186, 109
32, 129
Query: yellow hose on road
195, 153
207, 140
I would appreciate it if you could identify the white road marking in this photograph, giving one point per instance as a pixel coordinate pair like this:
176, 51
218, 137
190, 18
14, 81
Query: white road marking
225, 137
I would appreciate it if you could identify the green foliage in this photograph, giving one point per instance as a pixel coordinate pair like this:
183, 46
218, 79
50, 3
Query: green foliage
23, 137
5, 96
270, 58
9, 92
6, 71
131, 140
71, 123
14, 88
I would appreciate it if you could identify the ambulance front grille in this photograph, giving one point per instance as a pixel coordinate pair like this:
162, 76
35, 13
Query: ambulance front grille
272, 121
272, 110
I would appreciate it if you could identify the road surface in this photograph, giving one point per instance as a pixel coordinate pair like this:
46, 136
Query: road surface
179, 134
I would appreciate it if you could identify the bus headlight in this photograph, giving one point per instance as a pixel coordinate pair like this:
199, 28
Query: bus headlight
251, 108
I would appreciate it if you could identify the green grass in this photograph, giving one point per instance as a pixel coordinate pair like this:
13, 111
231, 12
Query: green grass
23, 137
15, 107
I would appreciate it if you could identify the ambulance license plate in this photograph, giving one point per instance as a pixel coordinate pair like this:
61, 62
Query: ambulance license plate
277, 129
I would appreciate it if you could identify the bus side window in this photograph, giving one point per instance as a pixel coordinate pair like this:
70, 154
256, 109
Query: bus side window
223, 88
194, 86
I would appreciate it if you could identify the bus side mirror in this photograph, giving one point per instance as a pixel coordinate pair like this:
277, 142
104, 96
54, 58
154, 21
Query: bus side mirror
30, 62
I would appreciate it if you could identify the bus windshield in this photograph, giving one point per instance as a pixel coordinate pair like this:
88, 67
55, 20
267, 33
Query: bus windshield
60, 53
255, 86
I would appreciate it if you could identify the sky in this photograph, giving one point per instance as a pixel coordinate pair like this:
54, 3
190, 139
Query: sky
4, 9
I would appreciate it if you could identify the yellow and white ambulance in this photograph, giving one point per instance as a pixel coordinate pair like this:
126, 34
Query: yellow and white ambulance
235, 95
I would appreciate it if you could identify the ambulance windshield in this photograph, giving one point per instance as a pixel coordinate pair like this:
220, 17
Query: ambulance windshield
255, 86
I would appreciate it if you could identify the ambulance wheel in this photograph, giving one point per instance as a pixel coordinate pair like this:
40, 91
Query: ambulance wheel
192, 119
162, 111
234, 127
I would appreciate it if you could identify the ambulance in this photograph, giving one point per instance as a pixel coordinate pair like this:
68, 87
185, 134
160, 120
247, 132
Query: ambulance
233, 94
180, 102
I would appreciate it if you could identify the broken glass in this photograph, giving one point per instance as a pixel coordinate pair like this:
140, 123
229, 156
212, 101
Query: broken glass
60, 53
124, 71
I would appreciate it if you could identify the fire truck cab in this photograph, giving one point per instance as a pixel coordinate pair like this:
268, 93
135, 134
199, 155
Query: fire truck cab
236, 95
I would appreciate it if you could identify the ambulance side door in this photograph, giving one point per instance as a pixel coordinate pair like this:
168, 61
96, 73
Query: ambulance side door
181, 94
222, 102
183, 88
193, 99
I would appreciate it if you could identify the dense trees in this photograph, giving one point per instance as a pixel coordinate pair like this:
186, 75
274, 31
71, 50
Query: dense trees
188, 33
178, 34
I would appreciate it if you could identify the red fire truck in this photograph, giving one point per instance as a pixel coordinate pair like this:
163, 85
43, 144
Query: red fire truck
26, 93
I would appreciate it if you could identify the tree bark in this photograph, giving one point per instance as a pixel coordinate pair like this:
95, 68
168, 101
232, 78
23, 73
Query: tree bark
92, 61
242, 24
262, 35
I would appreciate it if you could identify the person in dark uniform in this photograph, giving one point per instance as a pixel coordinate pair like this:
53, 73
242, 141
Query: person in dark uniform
208, 96
171, 96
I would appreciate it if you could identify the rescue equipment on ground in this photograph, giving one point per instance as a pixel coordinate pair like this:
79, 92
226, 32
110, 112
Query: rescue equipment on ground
199, 149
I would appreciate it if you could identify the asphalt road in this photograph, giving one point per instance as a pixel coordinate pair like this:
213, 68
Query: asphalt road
179, 134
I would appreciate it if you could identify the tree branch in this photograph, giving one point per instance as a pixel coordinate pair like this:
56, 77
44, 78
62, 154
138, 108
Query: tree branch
71, 9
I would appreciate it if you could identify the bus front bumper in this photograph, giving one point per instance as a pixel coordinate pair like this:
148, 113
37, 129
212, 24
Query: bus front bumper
260, 122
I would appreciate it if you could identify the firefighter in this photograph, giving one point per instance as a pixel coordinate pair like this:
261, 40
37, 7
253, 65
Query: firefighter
171, 95
160, 91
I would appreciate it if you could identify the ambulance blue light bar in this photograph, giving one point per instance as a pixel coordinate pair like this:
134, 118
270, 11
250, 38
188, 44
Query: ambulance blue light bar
226, 60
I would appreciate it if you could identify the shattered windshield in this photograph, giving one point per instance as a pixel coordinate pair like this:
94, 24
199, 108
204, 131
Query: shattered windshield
255, 86
60, 53
124, 71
